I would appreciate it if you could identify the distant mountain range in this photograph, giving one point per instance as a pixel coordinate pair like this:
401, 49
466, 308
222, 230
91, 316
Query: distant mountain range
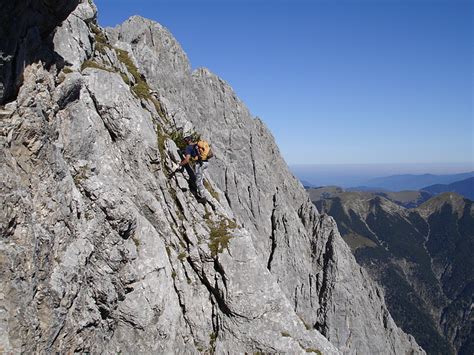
411, 182
463, 187
405, 198
421, 256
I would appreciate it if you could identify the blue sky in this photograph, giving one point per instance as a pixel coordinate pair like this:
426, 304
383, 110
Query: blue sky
337, 82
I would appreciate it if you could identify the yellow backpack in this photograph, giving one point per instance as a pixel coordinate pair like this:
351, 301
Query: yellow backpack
204, 150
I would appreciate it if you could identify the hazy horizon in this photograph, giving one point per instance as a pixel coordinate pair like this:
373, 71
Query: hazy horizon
351, 175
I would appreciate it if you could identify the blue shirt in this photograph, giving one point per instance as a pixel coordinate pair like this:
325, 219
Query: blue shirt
191, 150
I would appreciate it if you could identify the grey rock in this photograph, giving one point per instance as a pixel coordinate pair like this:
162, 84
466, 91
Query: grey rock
86, 11
102, 251
72, 39
302, 249
68, 91
24, 37
117, 107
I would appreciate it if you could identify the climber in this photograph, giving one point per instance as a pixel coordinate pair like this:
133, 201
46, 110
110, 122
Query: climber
199, 152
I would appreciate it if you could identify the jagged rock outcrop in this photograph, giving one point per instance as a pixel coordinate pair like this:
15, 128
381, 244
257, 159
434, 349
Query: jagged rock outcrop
421, 257
25, 37
102, 250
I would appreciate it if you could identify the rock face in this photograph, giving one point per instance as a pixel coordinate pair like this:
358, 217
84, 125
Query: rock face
422, 258
104, 249
25, 37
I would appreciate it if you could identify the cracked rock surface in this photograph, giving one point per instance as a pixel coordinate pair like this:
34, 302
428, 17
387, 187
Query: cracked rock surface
103, 249
26, 28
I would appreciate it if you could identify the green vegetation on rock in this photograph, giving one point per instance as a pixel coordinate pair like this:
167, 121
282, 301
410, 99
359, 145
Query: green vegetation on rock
220, 235
136, 241
178, 139
140, 88
94, 65
100, 39
392, 242
212, 341
125, 78
209, 188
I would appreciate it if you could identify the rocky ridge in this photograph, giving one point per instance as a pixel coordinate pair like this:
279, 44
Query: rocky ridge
421, 257
102, 250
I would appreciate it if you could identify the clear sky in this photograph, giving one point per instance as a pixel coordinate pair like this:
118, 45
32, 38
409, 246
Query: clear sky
337, 81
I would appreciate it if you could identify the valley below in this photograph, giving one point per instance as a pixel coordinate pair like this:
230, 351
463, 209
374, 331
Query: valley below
419, 248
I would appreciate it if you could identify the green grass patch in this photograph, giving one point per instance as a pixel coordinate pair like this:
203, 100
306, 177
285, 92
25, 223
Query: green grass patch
220, 235
100, 39
67, 70
137, 242
182, 256
125, 78
209, 188
159, 108
285, 334
178, 139
141, 88
127, 61
100, 47
94, 65
311, 350
212, 340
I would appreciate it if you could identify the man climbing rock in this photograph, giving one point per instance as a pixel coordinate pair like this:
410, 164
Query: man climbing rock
198, 152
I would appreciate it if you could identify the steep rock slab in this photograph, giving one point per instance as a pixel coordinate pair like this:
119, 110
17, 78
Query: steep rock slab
101, 251
102, 255
302, 249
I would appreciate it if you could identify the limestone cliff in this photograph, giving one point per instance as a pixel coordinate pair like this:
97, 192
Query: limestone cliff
25, 37
102, 249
